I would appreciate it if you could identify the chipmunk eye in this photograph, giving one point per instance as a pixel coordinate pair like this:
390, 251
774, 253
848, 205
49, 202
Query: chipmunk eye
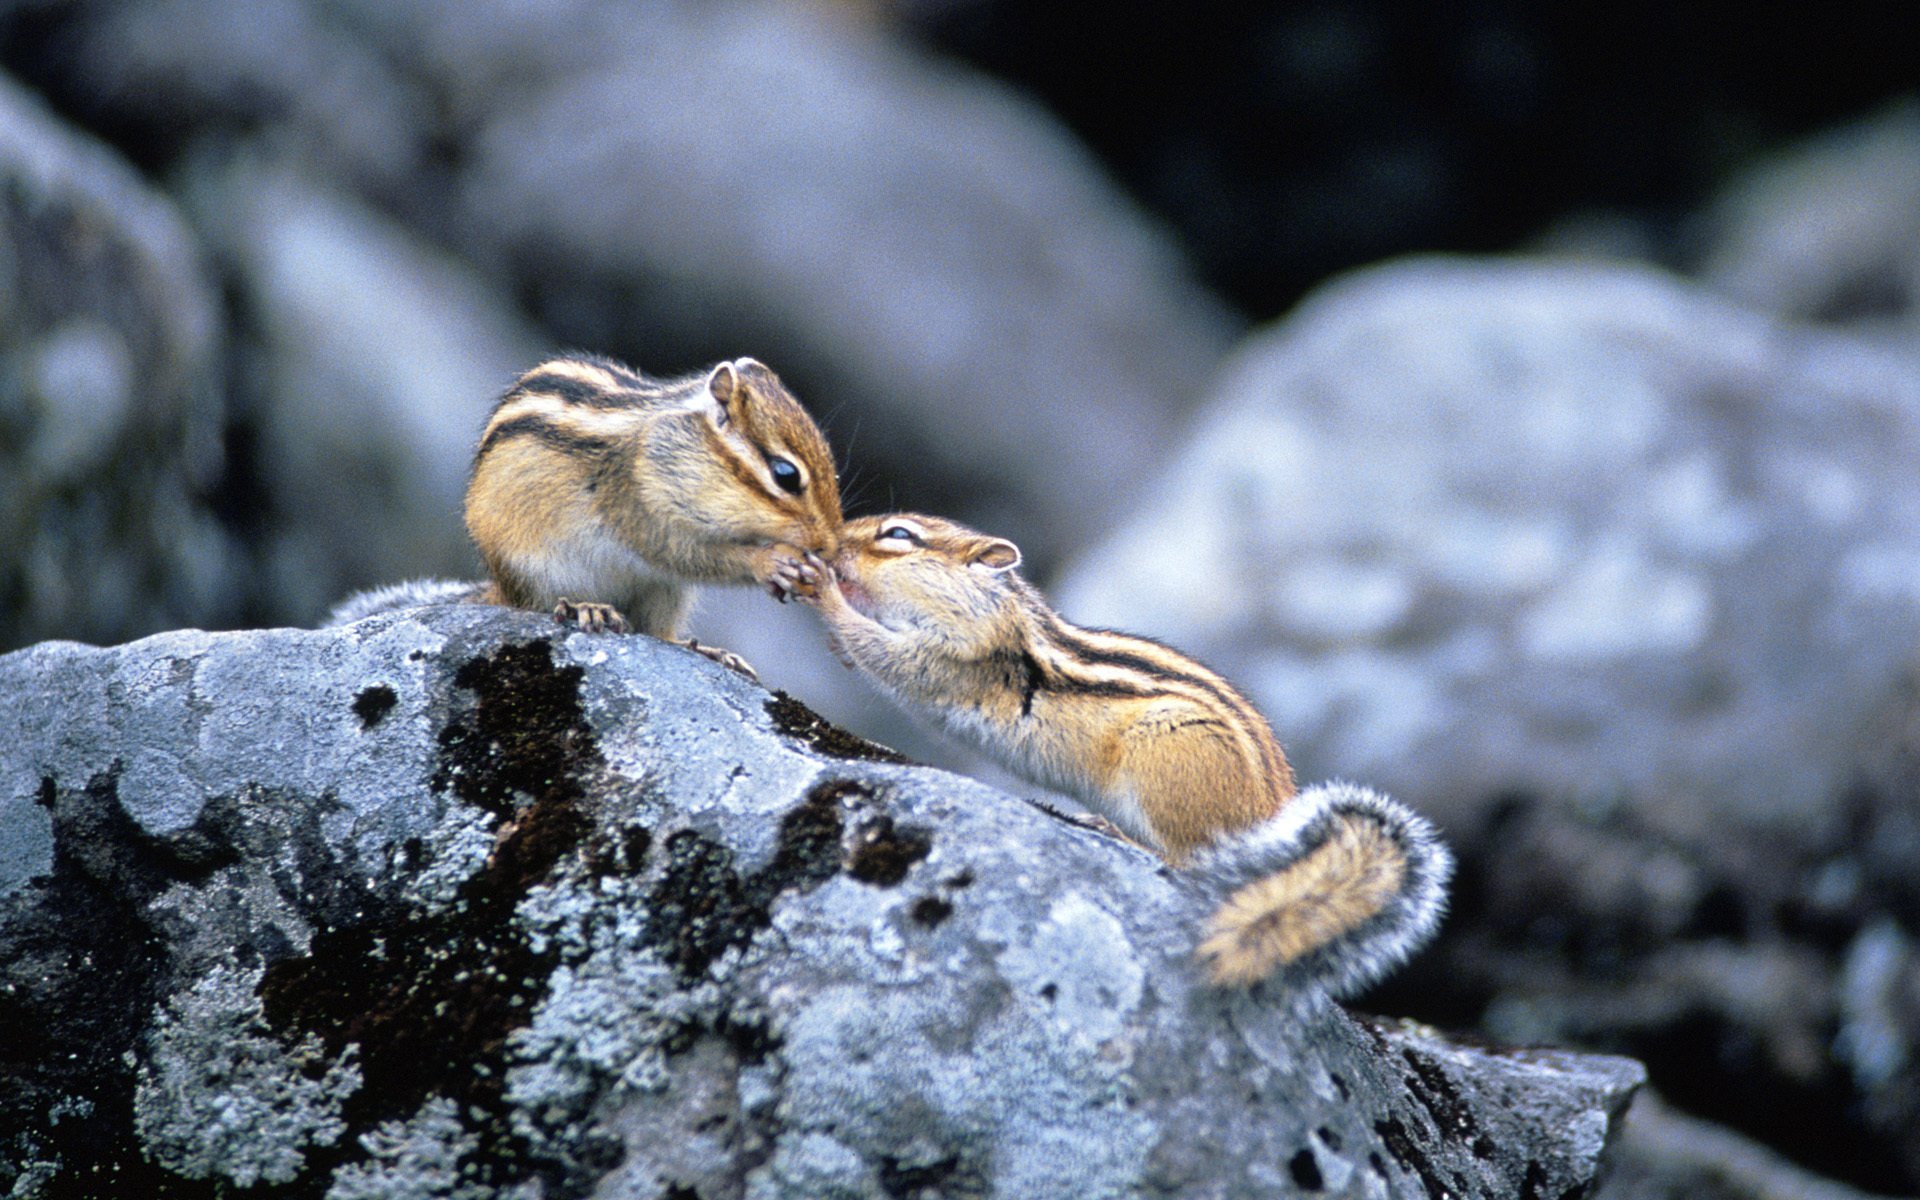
784, 473
900, 533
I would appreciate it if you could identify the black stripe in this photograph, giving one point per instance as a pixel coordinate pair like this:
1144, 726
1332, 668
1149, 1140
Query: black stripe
1103, 687
544, 430
1029, 676
576, 391
1265, 748
1069, 638
1032, 677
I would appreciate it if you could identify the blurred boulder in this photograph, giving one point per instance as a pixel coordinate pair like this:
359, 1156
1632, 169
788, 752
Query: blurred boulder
1827, 229
936, 264
1466, 528
1664, 1154
1616, 580
442, 904
370, 359
110, 417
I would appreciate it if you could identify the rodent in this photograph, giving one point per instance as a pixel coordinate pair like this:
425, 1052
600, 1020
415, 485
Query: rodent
1334, 886
599, 494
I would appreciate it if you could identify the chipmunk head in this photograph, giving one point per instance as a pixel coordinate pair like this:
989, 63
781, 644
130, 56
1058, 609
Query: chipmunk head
908, 570
766, 450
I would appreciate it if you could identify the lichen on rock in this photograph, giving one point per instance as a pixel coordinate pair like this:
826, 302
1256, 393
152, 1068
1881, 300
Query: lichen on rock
577, 915
219, 1095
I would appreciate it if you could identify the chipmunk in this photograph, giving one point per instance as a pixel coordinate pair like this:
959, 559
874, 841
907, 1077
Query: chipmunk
1334, 886
598, 494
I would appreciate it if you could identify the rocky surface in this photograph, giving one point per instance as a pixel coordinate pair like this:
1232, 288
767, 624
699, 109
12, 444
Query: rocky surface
109, 404
447, 904
1616, 581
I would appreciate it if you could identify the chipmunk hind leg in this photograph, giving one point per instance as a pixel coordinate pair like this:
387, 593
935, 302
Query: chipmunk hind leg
658, 608
1192, 779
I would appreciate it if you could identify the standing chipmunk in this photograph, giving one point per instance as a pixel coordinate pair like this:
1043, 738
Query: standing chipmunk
1334, 886
598, 494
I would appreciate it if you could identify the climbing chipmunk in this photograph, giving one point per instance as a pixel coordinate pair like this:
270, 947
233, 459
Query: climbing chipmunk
599, 494
1334, 886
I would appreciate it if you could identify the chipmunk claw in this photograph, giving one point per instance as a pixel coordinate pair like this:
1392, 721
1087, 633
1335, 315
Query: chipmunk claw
590, 617
794, 579
725, 658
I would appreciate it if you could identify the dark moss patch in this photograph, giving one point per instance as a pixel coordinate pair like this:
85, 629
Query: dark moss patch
796, 720
625, 854
524, 737
1305, 1170
912, 1183
930, 911
373, 704
751, 1040
1429, 1084
883, 853
702, 905
808, 851
431, 1000
1409, 1155
81, 969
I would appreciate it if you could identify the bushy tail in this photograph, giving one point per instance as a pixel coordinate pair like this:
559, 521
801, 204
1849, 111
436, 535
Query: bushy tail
1339, 888
410, 594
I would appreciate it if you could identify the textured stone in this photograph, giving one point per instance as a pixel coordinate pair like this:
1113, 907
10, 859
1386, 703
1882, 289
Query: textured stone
706, 943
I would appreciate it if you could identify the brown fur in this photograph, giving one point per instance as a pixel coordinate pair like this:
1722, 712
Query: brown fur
1345, 885
597, 485
1149, 738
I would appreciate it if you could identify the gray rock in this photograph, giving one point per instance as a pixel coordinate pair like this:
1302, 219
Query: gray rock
1827, 229
1616, 581
446, 904
109, 410
1664, 1154
373, 362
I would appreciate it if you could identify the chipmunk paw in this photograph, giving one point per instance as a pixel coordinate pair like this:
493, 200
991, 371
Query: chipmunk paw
590, 617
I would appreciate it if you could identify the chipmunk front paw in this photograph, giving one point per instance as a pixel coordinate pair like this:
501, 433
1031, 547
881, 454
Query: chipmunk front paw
591, 618
794, 578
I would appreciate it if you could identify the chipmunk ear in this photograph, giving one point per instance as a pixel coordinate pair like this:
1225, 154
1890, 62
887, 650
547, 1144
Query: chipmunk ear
996, 555
724, 385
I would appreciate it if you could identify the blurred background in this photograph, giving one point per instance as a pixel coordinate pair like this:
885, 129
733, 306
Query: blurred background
1522, 402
